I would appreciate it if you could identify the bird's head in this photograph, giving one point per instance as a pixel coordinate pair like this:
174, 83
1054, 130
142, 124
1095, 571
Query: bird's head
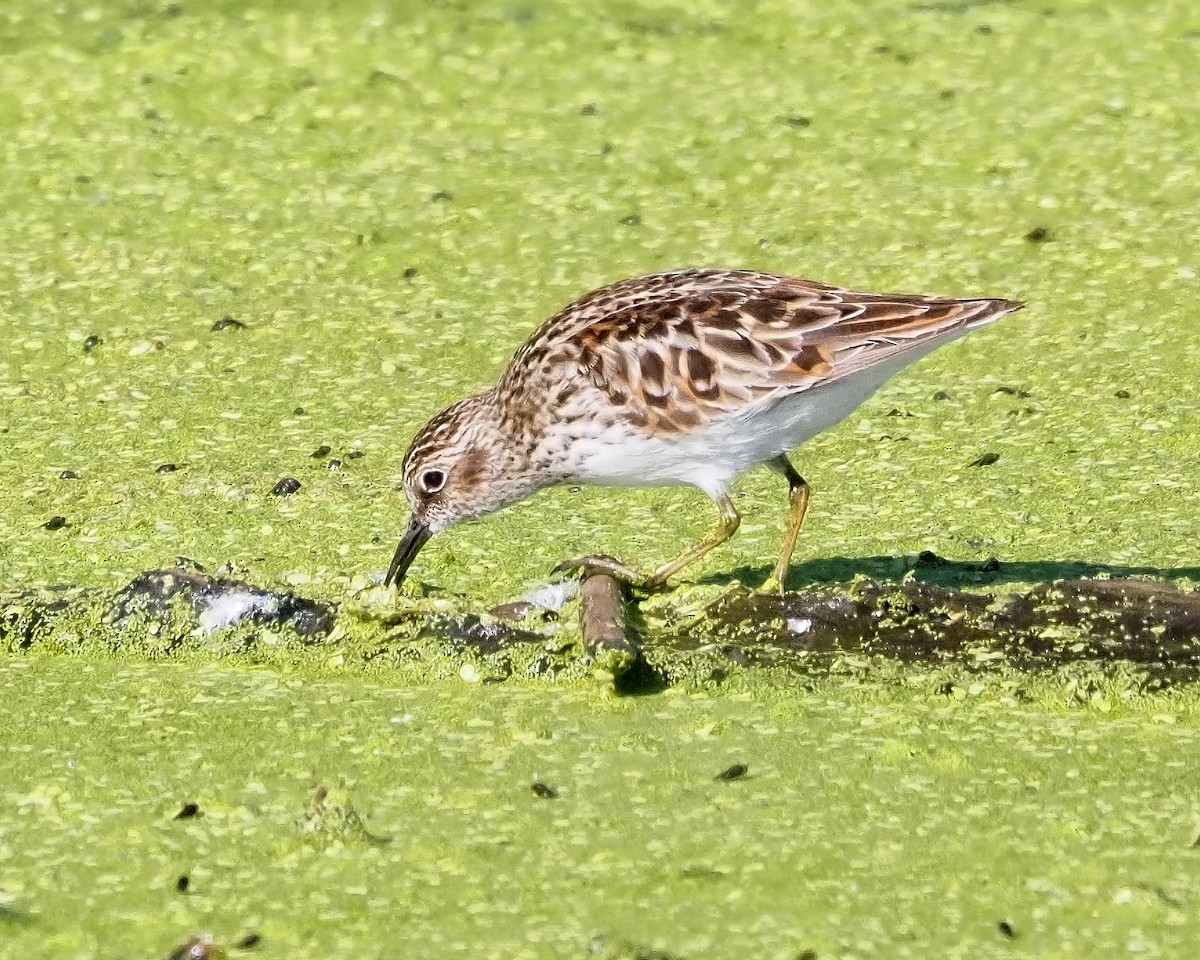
458, 467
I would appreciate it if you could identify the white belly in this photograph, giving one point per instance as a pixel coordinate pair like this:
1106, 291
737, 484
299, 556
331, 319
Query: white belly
712, 457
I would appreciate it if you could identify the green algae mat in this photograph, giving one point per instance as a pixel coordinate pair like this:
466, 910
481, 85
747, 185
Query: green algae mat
246, 250
391, 197
337, 819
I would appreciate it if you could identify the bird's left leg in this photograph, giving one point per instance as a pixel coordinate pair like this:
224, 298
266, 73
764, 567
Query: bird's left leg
726, 528
798, 494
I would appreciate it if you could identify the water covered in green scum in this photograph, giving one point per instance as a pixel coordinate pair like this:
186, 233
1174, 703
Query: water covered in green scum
390, 197
286, 165
866, 824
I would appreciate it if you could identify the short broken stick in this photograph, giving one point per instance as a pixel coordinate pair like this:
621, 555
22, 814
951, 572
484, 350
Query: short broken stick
602, 620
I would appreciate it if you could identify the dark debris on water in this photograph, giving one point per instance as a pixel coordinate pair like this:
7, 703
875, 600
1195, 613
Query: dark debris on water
220, 601
1146, 623
483, 636
1150, 625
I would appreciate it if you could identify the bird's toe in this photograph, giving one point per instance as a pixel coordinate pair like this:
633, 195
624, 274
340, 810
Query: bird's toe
601, 563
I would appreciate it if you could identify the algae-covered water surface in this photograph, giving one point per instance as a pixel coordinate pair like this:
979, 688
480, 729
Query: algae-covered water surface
247, 249
391, 197
861, 826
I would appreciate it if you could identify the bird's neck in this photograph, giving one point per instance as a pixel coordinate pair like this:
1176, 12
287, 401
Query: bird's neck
509, 440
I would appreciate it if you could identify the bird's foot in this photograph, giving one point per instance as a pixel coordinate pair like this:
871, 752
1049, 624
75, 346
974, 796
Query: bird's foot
621, 572
774, 583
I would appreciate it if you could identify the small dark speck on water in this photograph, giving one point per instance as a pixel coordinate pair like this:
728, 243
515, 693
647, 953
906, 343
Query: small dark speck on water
1122, 394
1038, 235
633, 220
517, 610
736, 772
799, 121
354, 455
166, 468
248, 942
334, 464
941, 395
189, 810
299, 412
198, 948
55, 523
948, 94
985, 29
442, 196
410, 272
91, 343
588, 110
182, 884
1006, 928
322, 451
381, 76
286, 487
807, 955
986, 460
735, 653
542, 790
1012, 392
227, 322
69, 475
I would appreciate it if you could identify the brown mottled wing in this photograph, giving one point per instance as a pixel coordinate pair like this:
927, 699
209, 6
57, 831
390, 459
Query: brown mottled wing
678, 349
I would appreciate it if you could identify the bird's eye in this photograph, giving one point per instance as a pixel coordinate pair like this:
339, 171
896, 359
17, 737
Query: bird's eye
433, 480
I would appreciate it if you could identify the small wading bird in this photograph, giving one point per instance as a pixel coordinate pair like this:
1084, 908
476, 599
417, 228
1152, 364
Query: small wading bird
689, 377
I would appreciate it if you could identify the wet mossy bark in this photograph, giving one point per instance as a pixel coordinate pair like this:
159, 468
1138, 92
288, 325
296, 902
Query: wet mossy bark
1149, 627
1150, 624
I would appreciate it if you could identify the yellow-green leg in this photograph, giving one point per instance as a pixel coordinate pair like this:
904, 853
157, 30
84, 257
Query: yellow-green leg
726, 528
798, 494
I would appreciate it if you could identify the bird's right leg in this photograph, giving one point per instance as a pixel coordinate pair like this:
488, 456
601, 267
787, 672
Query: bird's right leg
798, 493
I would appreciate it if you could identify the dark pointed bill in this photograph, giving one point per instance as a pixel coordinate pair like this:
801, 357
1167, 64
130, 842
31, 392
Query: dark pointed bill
410, 545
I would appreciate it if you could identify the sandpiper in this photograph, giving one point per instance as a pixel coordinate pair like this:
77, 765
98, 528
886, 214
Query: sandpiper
688, 377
